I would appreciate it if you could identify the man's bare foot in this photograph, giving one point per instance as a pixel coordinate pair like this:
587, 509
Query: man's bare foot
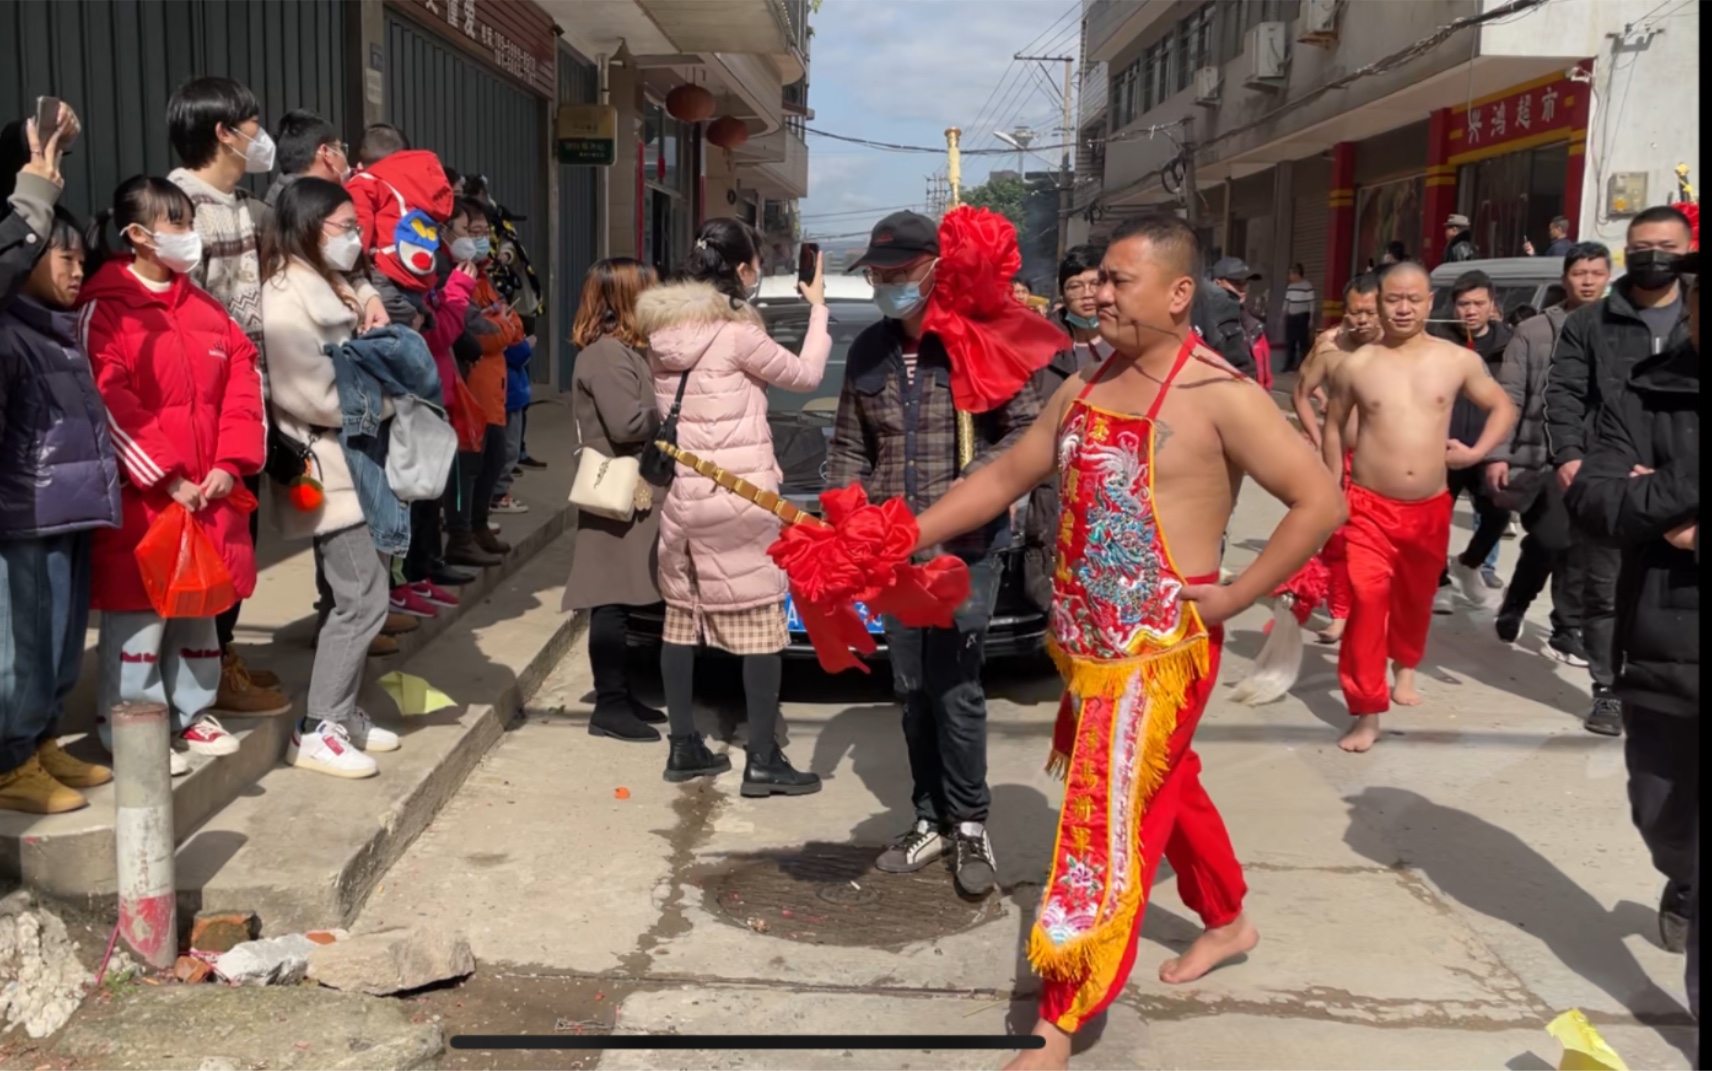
1334, 632
1055, 1056
1403, 692
1210, 949
1362, 735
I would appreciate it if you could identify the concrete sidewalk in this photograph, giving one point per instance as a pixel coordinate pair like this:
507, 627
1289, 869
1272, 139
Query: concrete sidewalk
1434, 903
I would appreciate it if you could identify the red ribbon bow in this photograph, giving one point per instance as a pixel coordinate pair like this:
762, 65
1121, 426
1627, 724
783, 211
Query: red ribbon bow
994, 341
862, 554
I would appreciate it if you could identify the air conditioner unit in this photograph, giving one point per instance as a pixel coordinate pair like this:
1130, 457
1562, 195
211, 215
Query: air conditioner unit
1206, 85
1319, 22
1267, 52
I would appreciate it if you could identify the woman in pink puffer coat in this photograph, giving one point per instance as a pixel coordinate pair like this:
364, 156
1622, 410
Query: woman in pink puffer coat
719, 585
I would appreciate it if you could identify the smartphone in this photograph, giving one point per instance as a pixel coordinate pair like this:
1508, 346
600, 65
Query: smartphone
808, 262
47, 119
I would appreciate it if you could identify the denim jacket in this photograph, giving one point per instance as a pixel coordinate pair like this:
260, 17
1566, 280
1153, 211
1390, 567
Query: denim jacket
389, 362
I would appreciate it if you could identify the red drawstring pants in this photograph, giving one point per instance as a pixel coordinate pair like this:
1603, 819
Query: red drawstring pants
1183, 825
1395, 552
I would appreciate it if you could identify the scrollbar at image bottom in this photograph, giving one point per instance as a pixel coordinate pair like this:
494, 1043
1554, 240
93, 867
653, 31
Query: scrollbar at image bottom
943, 1042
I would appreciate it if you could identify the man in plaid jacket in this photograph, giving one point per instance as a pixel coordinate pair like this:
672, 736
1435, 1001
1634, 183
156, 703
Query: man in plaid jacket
896, 435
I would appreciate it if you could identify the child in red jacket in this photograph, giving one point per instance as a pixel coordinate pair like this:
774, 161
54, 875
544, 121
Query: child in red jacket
402, 198
184, 404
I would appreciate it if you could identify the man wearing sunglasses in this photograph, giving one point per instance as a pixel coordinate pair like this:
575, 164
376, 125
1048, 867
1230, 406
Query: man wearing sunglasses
897, 434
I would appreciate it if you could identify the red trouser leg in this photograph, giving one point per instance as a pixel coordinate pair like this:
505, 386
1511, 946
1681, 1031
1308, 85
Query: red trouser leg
1183, 825
1419, 543
1338, 592
1369, 564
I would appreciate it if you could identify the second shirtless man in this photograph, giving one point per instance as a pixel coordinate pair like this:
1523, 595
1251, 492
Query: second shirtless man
1401, 390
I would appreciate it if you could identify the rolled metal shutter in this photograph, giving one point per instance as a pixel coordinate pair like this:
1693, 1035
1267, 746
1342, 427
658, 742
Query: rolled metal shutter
118, 61
579, 208
1308, 240
477, 123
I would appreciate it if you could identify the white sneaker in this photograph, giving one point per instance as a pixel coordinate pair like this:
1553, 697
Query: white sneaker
1471, 584
368, 736
1444, 602
177, 764
328, 749
208, 737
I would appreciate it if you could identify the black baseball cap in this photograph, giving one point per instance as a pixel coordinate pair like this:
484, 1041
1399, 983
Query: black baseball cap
898, 239
1233, 269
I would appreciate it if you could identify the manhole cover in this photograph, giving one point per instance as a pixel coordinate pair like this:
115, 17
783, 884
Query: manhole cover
834, 896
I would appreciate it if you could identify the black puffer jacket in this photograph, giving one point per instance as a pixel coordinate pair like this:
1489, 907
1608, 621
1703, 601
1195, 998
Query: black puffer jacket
1655, 423
1467, 420
1461, 248
1217, 318
1599, 346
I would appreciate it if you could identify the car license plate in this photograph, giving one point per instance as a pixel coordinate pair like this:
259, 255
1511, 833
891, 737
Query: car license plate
793, 620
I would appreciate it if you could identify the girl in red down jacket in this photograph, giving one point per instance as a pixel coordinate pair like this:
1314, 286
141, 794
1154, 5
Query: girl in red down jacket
184, 404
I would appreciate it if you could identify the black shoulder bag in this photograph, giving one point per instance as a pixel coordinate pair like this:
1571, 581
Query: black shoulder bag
658, 467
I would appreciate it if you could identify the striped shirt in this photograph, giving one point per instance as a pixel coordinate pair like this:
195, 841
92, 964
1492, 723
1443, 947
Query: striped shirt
1299, 298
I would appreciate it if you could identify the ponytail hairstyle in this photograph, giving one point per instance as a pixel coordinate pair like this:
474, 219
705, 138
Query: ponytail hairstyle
144, 200
721, 247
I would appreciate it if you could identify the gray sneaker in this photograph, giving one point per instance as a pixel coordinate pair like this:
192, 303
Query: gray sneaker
913, 850
1607, 716
973, 865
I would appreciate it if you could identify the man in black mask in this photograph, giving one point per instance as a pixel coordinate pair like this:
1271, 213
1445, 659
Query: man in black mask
1600, 345
1216, 314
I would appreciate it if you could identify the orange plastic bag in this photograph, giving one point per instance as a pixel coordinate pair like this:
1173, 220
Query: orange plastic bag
467, 419
182, 571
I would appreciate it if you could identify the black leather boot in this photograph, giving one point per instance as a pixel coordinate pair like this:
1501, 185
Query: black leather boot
646, 713
690, 759
771, 774
619, 723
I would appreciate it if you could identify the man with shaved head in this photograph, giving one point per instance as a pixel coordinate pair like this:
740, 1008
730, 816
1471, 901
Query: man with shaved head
1160, 432
1401, 389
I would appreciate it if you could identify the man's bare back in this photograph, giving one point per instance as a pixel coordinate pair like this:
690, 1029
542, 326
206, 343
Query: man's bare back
1401, 393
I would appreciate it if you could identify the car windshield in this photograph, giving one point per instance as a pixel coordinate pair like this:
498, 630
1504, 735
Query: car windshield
787, 323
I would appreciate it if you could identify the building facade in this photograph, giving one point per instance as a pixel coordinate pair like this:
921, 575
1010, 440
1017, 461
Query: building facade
1320, 131
479, 82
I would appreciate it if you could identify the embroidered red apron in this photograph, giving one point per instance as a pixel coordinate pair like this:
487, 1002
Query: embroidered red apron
1129, 652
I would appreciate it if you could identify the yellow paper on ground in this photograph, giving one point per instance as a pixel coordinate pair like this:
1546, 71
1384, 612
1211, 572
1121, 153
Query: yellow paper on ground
1583, 1048
415, 695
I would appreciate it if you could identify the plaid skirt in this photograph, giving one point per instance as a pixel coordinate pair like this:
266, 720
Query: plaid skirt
756, 631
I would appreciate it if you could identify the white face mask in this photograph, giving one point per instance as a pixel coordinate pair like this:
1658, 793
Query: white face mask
464, 249
180, 252
258, 155
341, 252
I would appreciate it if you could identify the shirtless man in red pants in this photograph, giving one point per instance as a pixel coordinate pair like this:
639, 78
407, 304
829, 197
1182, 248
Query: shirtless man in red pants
1161, 432
1359, 328
1401, 389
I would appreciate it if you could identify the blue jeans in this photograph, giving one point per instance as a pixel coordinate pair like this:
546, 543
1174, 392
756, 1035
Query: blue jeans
937, 675
44, 611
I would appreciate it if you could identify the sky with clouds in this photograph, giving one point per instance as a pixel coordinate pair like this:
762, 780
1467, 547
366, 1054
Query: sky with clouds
902, 71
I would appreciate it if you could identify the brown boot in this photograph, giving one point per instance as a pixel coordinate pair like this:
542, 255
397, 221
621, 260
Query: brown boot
462, 549
32, 790
70, 772
382, 645
261, 678
399, 624
486, 540
240, 698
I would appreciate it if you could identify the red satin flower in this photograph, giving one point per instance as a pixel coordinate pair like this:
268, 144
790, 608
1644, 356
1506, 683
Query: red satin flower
862, 554
995, 343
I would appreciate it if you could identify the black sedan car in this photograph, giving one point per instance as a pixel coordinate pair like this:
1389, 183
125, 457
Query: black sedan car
802, 428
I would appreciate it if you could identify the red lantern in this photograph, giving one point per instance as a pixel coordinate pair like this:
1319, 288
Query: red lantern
690, 104
728, 132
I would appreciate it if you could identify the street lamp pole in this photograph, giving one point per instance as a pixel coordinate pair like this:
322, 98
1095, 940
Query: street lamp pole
1066, 178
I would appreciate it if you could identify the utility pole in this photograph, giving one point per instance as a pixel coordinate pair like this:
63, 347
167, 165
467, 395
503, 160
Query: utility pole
1066, 177
954, 166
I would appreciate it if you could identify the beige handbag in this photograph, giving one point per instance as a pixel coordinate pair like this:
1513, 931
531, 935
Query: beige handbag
609, 487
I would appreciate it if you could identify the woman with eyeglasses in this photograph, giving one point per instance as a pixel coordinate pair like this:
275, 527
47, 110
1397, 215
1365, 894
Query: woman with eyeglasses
309, 303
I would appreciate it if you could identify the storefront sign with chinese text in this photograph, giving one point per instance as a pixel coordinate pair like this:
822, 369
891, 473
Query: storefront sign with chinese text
587, 134
514, 35
1529, 114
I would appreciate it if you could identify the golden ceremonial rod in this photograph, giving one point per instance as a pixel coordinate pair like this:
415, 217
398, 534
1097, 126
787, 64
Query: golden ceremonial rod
767, 500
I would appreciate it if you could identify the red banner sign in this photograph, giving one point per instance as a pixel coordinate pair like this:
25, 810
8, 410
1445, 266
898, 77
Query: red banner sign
514, 35
1524, 113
